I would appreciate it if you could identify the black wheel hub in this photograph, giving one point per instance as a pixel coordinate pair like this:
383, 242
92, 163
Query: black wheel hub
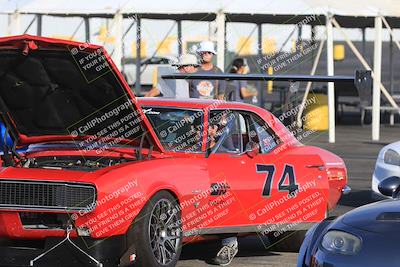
164, 231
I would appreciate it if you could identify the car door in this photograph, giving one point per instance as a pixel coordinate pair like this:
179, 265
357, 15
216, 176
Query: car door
284, 184
225, 165
272, 186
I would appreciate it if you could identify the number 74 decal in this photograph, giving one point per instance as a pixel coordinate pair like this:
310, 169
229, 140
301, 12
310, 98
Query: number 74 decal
288, 174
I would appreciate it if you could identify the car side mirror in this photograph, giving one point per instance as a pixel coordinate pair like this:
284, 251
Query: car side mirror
252, 149
390, 187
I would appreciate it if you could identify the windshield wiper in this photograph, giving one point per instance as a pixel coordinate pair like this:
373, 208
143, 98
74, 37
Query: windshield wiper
139, 154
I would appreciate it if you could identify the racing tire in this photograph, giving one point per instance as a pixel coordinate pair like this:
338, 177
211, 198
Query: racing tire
287, 242
157, 232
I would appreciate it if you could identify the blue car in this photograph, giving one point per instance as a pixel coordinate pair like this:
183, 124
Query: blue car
367, 236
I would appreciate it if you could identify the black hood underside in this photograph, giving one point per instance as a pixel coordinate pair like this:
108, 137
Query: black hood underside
47, 93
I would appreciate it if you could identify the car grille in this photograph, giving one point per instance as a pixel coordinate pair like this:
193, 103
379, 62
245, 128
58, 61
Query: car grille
53, 196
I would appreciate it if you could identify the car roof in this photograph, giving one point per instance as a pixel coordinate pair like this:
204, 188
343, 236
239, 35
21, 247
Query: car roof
196, 103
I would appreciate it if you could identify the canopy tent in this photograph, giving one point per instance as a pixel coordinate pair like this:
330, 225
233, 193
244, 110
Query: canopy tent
350, 14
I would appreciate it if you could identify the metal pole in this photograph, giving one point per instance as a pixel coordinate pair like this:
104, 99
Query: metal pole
308, 87
313, 41
391, 65
225, 45
390, 31
299, 44
39, 24
118, 29
286, 41
391, 62
9, 24
30, 24
376, 93
364, 50
298, 41
331, 87
76, 30
14, 23
179, 24
247, 39
138, 42
87, 29
221, 40
364, 63
392, 39
260, 84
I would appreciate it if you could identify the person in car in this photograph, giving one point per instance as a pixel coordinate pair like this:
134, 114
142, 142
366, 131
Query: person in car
217, 128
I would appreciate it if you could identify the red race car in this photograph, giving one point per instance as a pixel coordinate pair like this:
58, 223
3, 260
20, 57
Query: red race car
109, 179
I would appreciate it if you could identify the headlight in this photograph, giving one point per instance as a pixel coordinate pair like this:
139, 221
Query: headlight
341, 242
391, 157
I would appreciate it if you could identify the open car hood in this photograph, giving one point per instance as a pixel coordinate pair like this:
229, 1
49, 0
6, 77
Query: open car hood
54, 89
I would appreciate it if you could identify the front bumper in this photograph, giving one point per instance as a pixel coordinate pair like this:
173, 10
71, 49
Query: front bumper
22, 252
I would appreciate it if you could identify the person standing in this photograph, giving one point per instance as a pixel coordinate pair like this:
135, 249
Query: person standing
187, 63
237, 90
207, 89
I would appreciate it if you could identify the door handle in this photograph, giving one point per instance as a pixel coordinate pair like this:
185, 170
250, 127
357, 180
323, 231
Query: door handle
319, 167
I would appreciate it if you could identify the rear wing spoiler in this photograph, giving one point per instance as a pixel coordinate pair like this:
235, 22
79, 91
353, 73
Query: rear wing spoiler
362, 79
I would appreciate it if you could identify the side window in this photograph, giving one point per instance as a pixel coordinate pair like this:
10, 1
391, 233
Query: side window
224, 132
266, 136
260, 133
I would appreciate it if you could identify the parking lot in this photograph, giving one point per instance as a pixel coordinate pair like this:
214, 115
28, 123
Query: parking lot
354, 145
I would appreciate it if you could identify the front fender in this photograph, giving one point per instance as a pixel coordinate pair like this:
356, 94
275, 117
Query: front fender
311, 240
123, 191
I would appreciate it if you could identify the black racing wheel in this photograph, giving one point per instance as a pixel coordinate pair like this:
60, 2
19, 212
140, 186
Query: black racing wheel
158, 232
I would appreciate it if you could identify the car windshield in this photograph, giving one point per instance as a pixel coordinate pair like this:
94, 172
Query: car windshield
178, 130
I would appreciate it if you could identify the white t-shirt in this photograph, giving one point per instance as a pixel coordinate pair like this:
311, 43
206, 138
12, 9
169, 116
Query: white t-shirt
169, 87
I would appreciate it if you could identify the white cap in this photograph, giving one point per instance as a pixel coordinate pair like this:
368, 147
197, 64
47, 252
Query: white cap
187, 59
206, 46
